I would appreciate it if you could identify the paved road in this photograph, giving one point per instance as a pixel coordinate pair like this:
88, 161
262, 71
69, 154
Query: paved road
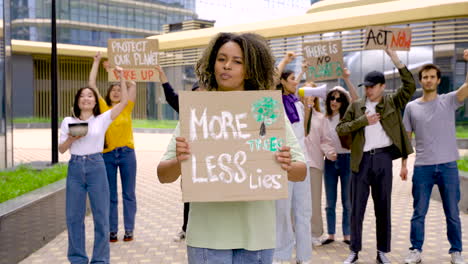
159, 214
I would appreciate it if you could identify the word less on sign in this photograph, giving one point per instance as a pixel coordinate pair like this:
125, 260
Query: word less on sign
232, 137
324, 60
383, 37
137, 56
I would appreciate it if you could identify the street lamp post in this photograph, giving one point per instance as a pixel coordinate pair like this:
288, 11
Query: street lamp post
53, 68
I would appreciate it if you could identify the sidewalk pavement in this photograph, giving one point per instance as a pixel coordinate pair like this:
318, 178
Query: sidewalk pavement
160, 209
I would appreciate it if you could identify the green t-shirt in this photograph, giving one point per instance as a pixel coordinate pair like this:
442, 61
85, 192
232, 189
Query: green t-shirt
232, 225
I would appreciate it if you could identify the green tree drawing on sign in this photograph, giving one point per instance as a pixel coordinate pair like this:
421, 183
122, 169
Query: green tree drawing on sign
265, 110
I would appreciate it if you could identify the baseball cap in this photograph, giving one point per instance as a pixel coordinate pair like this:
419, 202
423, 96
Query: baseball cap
373, 78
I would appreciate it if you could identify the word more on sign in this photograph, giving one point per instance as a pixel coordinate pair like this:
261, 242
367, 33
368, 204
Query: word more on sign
383, 37
324, 60
137, 56
233, 137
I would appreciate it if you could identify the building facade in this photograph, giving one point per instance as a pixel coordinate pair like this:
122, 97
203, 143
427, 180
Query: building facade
92, 22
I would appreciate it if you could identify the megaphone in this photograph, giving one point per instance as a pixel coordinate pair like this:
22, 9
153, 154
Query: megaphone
320, 91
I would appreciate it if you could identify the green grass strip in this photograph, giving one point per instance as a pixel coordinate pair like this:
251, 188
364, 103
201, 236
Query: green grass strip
463, 163
25, 179
143, 123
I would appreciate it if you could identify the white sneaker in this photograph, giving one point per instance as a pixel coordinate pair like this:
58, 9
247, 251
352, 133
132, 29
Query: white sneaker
414, 256
179, 237
457, 258
316, 242
280, 262
382, 258
352, 258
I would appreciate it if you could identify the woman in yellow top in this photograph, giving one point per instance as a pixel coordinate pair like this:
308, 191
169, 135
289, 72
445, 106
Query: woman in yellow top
119, 152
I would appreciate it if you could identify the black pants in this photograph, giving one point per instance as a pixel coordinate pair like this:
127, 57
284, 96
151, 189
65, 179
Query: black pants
375, 171
186, 212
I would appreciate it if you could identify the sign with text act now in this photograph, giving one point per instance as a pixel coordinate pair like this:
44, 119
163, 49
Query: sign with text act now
383, 37
233, 137
136, 56
324, 60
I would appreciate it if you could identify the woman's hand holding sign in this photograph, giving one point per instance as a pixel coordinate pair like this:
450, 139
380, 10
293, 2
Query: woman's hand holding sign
283, 156
296, 170
182, 149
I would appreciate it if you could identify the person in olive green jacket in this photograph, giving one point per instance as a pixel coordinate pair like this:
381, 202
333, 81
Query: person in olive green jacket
378, 137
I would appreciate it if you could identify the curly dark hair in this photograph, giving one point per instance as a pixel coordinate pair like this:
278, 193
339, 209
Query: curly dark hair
344, 104
76, 107
257, 56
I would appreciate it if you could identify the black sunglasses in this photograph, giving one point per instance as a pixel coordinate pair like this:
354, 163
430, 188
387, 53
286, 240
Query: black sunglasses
337, 99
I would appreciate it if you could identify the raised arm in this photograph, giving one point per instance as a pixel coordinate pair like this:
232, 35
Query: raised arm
94, 71
172, 97
288, 58
462, 92
351, 87
117, 109
406, 91
132, 90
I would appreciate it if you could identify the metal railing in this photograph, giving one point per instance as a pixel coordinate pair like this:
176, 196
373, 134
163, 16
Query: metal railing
73, 74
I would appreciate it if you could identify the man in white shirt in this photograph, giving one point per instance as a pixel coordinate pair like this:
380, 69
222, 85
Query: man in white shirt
378, 137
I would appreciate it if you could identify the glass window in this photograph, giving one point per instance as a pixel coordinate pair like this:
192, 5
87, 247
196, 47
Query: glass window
112, 15
75, 10
121, 17
102, 14
139, 18
63, 9
92, 12
131, 17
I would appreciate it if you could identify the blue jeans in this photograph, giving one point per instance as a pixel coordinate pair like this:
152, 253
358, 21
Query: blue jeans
334, 170
299, 203
228, 256
87, 175
446, 177
124, 159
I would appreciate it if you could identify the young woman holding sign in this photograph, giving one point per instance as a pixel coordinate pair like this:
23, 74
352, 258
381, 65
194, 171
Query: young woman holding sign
233, 232
87, 173
119, 153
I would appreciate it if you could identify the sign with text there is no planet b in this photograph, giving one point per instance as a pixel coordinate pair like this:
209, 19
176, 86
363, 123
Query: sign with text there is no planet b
383, 37
233, 137
136, 56
324, 60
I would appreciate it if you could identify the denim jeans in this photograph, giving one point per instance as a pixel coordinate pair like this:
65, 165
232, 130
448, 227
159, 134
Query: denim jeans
334, 170
87, 175
446, 177
228, 256
300, 204
124, 159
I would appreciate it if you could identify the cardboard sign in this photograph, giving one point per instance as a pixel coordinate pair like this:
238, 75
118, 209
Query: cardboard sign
233, 137
137, 56
325, 60
383, 37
